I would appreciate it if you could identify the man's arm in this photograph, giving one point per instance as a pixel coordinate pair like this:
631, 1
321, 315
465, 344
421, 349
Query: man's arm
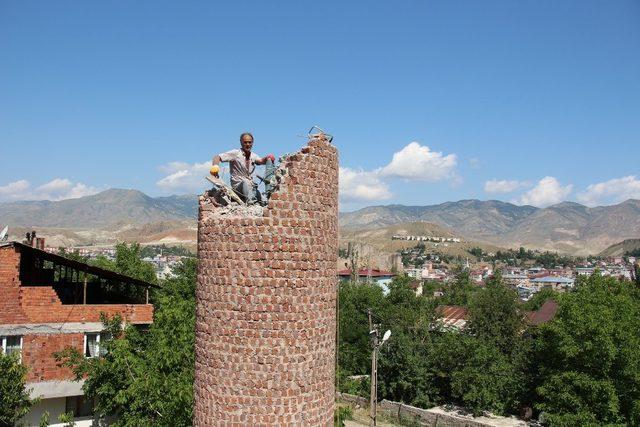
263, 160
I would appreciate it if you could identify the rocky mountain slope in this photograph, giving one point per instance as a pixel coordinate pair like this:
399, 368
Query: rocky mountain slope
105, 210
132, 215
566, 227
620, 249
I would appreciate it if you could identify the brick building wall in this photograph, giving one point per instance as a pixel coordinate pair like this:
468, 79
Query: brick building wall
266, 302
45, 324
38, 352
10, 311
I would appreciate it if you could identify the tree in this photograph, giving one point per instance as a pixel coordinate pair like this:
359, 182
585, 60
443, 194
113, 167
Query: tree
353, 325
486, 381
588, 356
147, 377
460, 291
128, 261
14, 398
476, 251
403, 373
494, 315
539, 298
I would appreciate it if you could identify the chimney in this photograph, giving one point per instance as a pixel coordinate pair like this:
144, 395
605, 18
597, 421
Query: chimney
266, 301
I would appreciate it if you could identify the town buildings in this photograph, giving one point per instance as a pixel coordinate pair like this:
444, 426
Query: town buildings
49, 303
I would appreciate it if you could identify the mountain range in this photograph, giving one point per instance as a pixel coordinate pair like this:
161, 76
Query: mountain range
565, 227
132, 215
107, 209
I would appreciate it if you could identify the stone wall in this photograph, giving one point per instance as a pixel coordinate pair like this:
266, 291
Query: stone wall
266, 302
433, 417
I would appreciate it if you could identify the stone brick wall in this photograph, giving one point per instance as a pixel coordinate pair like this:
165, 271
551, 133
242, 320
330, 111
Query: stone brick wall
33, 305
10, 310
37, 354
266, 302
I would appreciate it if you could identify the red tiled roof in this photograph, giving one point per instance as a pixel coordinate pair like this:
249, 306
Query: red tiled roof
544, 314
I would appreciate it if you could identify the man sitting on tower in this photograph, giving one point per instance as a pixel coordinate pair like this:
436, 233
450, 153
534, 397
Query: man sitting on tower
242, 164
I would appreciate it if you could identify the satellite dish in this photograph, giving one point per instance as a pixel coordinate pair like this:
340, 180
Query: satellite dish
3, 234
386, 335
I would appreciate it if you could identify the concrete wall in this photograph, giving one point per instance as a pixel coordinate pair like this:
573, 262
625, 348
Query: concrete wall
266, 302
55, 407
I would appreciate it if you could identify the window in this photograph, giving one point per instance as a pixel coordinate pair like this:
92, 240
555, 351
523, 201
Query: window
79, 406
94, 344
12, 345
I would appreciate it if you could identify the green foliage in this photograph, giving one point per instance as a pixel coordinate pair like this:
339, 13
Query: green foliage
404, 357
153, 250
67, 418
147, 377
634, 252
75, 255
485, 380
44, 419
128, 261
460, 291
494, 315
476, 252
521, 256
14, 398
341, 414
354, 348
539, 298
588, 357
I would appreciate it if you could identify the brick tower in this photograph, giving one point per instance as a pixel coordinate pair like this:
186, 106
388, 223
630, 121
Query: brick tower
266, 301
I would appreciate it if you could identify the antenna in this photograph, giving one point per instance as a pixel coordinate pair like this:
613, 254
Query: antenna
4, 235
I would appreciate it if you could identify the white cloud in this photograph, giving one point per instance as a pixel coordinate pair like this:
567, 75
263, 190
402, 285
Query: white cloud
504, 186
547, 192
14, 190
417, 162
613, 191
184, 177
362, 185
56, 189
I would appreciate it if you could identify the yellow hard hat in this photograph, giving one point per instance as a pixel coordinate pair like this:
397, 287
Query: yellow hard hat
214, 169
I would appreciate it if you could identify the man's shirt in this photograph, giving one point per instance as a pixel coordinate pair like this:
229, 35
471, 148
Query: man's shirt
238, 166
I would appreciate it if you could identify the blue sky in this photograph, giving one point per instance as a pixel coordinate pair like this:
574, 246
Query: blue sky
429, 101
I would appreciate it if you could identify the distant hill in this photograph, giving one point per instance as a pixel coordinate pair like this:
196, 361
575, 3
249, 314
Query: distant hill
566, 227
619, 249
380, 238
118, 214
467, 216
105, 210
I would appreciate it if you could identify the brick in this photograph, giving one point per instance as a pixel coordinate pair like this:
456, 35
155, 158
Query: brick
266, 303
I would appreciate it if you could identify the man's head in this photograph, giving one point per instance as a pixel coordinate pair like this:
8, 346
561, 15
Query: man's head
246, 142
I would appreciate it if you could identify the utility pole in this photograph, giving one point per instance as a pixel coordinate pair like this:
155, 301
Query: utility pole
373, 334
375, 344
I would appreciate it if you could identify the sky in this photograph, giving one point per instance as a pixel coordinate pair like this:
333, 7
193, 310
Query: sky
530, 102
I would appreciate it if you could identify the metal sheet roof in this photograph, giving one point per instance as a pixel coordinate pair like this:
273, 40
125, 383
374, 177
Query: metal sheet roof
79, 266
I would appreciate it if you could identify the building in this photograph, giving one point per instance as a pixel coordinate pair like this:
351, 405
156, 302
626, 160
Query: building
452, 317
546, 313
557, 283
49, 303
371, 275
